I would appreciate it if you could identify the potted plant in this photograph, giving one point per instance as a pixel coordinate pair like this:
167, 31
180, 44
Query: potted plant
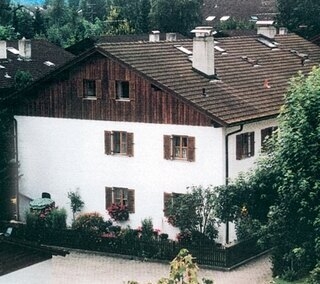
118, 212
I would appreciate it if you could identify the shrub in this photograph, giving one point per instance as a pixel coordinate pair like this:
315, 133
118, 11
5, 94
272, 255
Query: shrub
315, 275
147, 230
90, 222
118, 212
57, 219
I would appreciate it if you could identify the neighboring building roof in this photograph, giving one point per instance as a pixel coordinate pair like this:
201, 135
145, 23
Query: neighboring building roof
252, 76
239, 10
43, 54
88, 43
17, 254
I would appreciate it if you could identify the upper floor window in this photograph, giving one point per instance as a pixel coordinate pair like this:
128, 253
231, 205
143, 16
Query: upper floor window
118, 142
266, 133
245, 145
120, 196
89, 88
122, 90
178, 147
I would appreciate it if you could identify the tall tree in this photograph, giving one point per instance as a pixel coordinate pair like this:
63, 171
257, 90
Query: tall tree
175, 16
5, 12
300, 16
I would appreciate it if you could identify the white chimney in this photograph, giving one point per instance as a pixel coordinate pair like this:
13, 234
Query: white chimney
3, 49
154, 36
283, 31
171, 36
266, 28
25, 48
203, 51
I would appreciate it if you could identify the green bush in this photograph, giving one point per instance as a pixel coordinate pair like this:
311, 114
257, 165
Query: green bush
315, 275
90, 222
57, 219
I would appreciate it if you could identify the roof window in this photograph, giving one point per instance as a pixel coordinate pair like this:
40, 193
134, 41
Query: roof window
183, 49
49, 63
13, 50
268, 43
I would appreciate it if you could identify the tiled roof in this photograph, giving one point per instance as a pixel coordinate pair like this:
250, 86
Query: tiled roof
41, 51
253, 77
240, 10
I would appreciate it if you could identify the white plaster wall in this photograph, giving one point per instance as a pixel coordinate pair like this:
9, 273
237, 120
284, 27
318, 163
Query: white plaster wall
61, 155
237, 166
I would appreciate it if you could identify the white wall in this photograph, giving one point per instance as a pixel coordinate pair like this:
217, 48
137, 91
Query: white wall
237, 166
61, 155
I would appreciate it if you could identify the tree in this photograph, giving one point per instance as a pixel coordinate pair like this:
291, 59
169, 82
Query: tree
76, 203
5, 12
194, 211
175, 16
300, 16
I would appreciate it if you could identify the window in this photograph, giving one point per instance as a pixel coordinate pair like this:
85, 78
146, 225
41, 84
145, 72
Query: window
118, 142
89, 88
168, 199
266, 134
179, 148
245, 145
121, 196
122, 89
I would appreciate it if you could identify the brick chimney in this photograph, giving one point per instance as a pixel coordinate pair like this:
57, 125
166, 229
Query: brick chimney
3, 49
203, 51
266, 28
154, 36
25, 48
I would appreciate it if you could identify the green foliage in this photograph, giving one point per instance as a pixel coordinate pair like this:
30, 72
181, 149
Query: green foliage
147, 230
175, 16
315, 275
90, 222
195, 211
7, 33
233, 24
300, 16
53, 219
22, 79
76, 203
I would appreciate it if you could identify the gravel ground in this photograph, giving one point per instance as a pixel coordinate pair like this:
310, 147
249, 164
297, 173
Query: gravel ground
83, 268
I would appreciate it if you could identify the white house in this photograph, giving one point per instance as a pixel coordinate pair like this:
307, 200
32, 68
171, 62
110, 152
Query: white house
129, 122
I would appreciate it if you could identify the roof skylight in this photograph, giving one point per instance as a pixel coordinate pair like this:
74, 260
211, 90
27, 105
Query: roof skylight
210, 18
183, 49
49, 63
13, 50
224, 18
267, 42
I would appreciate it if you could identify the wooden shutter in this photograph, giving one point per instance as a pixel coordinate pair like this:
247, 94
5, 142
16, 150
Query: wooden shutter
251, 144
80, 88
112, 89
98, 89
191, 149
131, 206
167, 147
130, 144
239, 147
109, 200
132, 90
167, 198
107, 142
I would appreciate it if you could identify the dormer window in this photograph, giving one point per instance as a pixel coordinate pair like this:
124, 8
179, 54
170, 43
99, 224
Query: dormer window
122, 89
89, 88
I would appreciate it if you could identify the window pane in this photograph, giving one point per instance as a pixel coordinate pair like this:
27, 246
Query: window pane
116, 142
89, 88
122, 89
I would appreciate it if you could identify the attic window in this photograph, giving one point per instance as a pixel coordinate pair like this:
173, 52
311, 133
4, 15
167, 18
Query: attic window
13, 50
122, 88
49, 63
267, 42
183, 49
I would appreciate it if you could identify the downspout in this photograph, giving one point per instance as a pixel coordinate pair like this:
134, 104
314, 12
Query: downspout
227, 170
16, 173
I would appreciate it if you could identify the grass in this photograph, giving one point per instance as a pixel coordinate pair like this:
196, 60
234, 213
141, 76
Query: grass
281, 281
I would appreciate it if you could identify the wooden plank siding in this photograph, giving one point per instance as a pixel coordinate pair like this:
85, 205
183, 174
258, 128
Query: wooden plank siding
60, 98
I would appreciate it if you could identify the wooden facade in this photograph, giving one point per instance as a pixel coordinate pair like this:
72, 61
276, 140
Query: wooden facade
62, 97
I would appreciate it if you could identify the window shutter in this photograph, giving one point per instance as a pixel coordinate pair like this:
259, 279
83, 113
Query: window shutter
167, 147
252, 144
191, 149
167, 198
264, 133
130, 144
98, 89
108, 197
80, 88
239, 147
112, 89
131, 206
132, 90
107, 142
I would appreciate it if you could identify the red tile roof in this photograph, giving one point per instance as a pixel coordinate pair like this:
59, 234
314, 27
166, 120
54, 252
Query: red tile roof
244, 71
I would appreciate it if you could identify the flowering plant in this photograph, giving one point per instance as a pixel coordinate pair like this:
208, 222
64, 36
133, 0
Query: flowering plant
118, 212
